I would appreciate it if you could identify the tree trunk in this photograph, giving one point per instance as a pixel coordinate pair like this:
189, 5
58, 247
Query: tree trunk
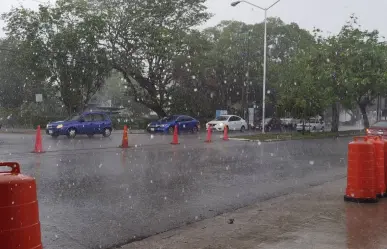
159, 111
335, 118
363, 109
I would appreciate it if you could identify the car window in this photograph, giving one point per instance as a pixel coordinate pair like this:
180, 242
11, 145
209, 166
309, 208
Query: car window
168, 119
74, 118
187, 118
88, 118
237, 118
381, 124
221, 118
98, 117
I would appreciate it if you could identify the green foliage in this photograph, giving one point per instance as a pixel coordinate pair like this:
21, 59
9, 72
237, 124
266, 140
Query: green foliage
60, 38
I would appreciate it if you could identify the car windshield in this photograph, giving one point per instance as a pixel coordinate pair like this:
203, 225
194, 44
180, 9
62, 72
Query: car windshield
168, 119
73, 118
222, 118
382, 124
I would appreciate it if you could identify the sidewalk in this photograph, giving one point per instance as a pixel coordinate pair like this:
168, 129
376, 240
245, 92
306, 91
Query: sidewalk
314, 218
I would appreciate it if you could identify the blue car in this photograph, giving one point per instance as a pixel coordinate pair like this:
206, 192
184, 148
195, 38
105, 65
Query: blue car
88, 123
167, 124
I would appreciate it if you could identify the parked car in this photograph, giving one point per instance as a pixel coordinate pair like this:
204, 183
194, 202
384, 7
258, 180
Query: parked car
290, 123
233, 122
378, 129
88, 123
167, 124
312, 125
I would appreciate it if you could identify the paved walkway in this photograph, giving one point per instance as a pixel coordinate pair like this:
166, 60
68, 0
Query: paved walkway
314, 218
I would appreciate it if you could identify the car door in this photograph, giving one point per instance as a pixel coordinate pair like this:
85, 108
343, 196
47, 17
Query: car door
86, 127
238, 123
232, 123
98, 123
182, 123
189, 122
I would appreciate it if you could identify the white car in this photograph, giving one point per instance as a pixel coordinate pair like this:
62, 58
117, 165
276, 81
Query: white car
314, 124
233, 122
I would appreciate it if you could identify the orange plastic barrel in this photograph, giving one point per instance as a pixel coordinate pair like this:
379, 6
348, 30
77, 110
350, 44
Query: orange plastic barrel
379, 166
361, 177
19, 215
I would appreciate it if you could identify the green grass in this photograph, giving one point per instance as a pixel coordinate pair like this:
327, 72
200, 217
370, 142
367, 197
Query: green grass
299, 135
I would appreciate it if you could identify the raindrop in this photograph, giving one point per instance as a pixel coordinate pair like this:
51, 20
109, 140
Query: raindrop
259, 143
100, 165
196, 217
271, 154
195, 90
11, 218
151, 181
165, 197
311, 162
268, 91
152, 136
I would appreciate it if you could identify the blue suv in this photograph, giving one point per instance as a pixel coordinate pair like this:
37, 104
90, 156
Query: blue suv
167, 124
88, 123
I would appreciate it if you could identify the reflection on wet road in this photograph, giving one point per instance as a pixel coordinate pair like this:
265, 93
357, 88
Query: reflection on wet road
95, 195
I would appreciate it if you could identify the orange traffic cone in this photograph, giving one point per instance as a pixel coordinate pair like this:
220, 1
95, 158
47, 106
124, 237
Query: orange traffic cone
125, 143
38, 141
225, 133
209, 132
175, 139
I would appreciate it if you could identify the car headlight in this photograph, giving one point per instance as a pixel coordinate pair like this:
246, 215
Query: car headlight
221, 124
60, 126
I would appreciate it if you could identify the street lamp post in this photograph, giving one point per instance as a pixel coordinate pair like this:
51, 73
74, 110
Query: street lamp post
233, 4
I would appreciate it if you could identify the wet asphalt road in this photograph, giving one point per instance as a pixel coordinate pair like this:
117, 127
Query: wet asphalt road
95, 195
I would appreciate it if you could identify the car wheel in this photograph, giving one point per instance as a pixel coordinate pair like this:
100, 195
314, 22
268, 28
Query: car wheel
71, 133
243, 128
107, 132
170, 130
90, 135
194, 130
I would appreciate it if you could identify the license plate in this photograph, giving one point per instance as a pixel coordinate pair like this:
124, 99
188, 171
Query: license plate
50, 132
152, 129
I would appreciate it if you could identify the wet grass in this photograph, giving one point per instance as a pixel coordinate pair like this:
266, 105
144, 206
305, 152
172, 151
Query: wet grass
298, 135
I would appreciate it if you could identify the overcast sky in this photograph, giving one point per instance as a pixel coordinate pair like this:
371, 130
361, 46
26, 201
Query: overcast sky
328, 15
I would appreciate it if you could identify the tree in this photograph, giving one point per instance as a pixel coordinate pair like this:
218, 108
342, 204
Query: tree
144, 38
66, 41
357, 62
303, 91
